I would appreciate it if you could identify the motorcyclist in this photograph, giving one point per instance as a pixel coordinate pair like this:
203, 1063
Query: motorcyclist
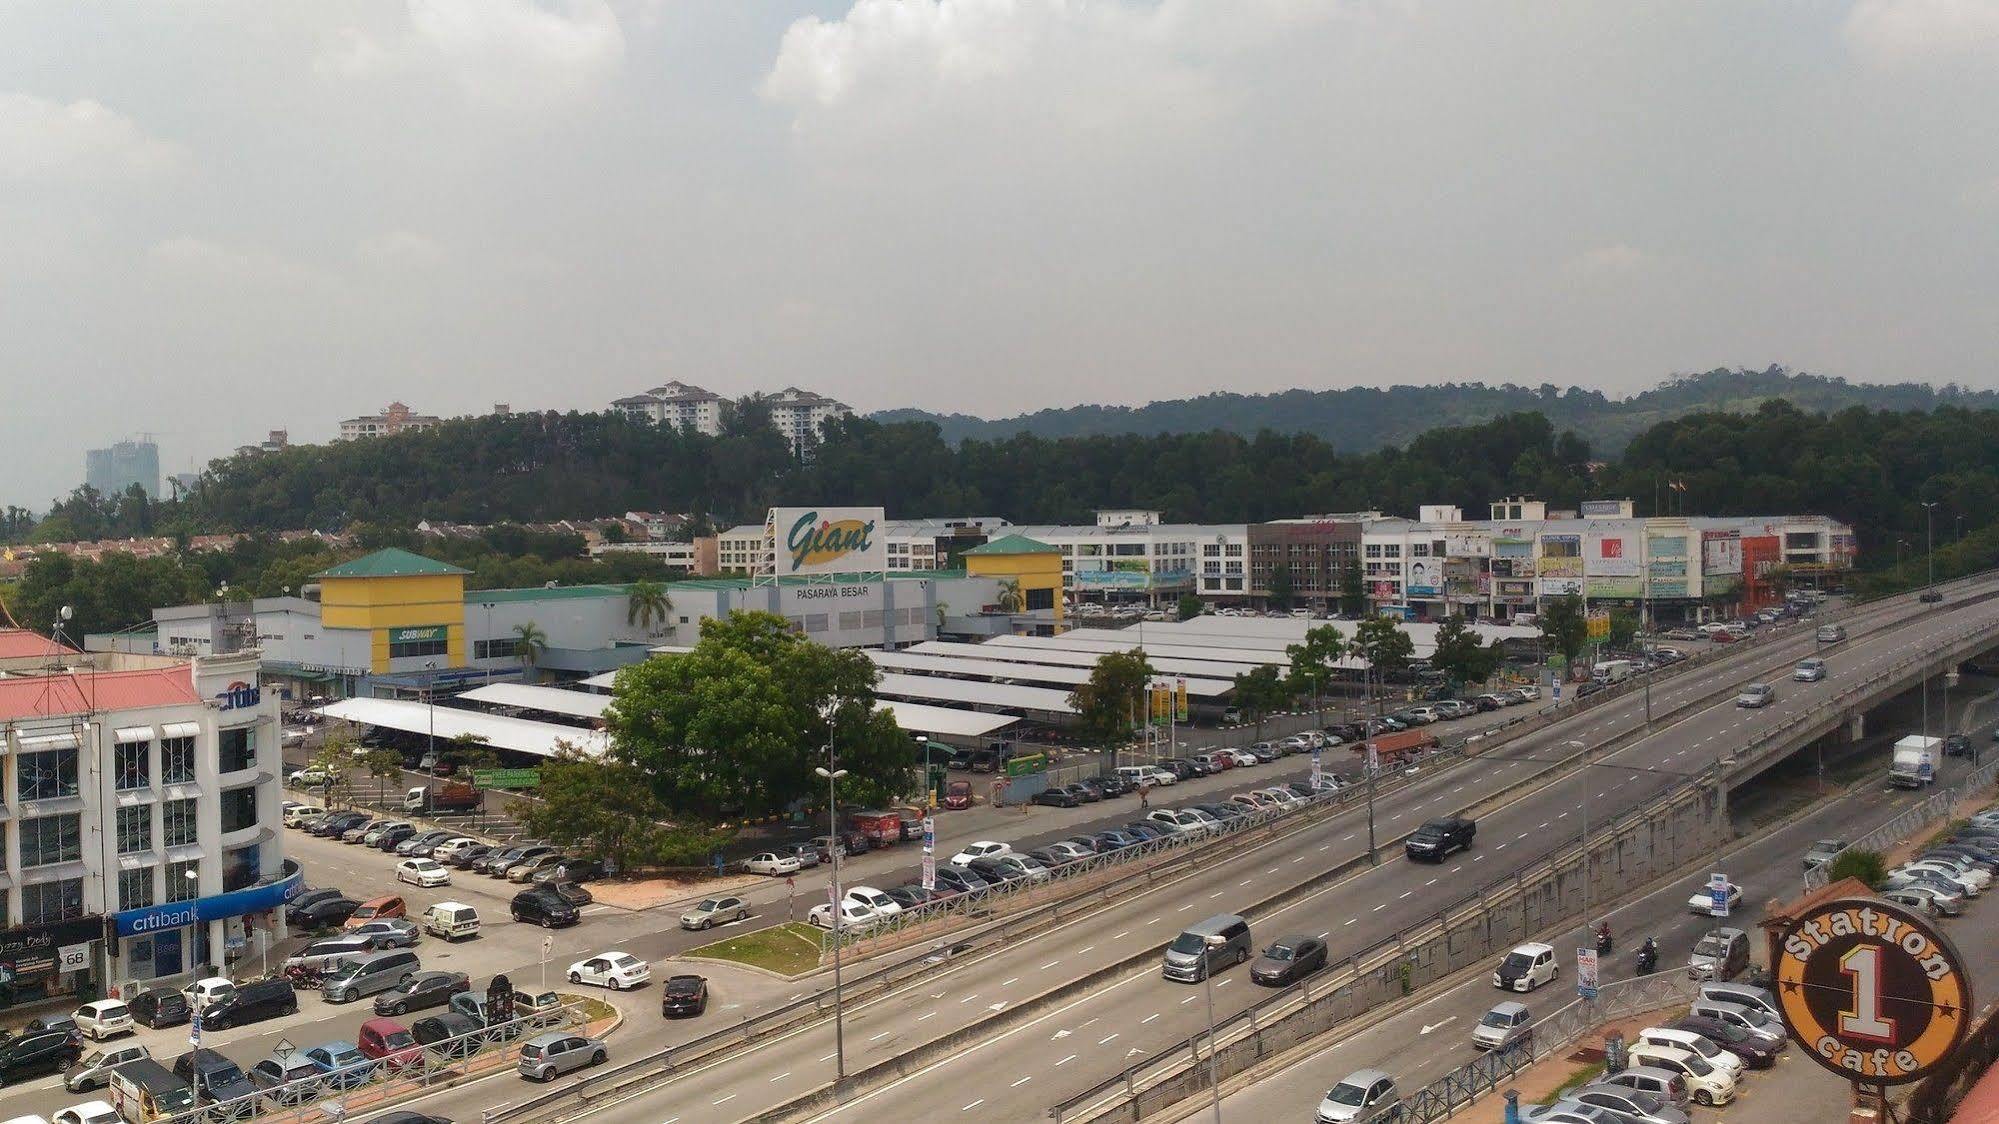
1603, 936
1648, 954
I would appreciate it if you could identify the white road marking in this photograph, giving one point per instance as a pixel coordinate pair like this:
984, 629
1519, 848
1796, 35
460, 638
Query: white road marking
879, 1037
973, 1105
1048, 965
1067, 1060
730, 1097
1014, 980
780, 1077
920, 1018
1149, 1018
1021, 1082
1101, 1041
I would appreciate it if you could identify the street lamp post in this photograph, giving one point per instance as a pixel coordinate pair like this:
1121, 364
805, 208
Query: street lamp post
430, 707
836, 846
929, 793
1207, 985
1929, 550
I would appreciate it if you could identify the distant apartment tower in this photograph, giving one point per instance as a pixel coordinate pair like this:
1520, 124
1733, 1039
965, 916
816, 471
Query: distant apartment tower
278, 441
394, 418
676, 404
111, 471
799, 415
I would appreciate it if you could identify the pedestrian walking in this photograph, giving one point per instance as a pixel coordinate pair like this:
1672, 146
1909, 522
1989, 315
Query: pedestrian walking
1144, 795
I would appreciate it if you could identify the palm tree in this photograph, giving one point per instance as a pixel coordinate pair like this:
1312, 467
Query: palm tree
647, 602
529, 643
1010, 597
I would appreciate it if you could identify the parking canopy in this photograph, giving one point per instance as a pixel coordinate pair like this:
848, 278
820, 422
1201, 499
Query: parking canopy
1003, 695
554, 700
944, 722
994, 670
518, 734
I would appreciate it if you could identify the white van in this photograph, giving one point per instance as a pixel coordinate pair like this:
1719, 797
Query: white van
1146, 774
451, 920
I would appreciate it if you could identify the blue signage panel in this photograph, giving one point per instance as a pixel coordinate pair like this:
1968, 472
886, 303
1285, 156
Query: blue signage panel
236, 903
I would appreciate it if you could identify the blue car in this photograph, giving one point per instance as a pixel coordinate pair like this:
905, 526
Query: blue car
342, 1064
1115, 839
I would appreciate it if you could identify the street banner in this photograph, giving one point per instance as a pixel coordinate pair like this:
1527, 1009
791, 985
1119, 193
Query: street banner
1317, 770
1717, 889
1586, 973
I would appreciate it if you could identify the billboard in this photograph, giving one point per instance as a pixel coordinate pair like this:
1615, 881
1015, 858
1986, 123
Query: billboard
1426, 577
1631, 587
827, 540
1561, 557
1561, 587
1721, 552
1612, 554
1457, 545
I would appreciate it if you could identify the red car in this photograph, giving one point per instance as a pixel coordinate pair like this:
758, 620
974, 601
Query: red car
389, 1041
958, 794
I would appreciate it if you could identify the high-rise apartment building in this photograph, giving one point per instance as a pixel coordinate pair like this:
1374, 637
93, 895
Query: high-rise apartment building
111, 471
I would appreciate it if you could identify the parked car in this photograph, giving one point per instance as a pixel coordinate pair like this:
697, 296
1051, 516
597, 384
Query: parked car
105, 1018
684, 995
420, 991
33, 1053
469, 857
1288, 960
93, 1070
614, 970
982, 849
387, 932
957, 795
286, 1081
445, 1033
544, 906
322, 914
423, 872
772, 863
527, 867
341, 1064
1057, 796
1754, 1050
547, 1056
160, 1009
715, 911
251, 1002
388, 1042
854, 916
960, 880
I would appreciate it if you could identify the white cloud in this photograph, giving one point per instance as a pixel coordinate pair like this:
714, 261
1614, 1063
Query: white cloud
189, 261
83, 140
399, 251
352, 53
1601, 261
1896, 32
513, 54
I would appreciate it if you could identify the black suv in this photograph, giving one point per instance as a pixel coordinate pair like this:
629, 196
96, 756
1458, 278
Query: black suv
324, 913
251, 1002
1438, 838
33, 1053
219, 1078
158, 1009
543, 906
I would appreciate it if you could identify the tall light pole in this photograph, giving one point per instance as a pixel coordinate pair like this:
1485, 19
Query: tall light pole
836, 846
929, 793
1214, 941
430, 704
1929, 550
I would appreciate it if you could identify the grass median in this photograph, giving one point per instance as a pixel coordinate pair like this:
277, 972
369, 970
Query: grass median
789, 949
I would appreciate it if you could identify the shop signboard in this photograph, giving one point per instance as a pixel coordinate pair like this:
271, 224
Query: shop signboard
827, 540
1631, 587
1872, 992
513, 779
1561, 556
1612, 554
1721, 552
433, 633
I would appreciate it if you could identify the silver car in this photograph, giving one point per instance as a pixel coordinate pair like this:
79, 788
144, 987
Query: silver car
547, 1056
1502, 1026
93, 1070
1632, 1105
714, 911
388, 932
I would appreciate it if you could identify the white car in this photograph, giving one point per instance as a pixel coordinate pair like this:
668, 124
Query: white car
1949, 874
307, 778
1284, 796
89, 1112
1243, 758
1703, 902
853, 915
983, 849
423, 872
450, 848
615, 970
104, 1018
874, 899
1177, 821
1526, 968
206, 990
772, 863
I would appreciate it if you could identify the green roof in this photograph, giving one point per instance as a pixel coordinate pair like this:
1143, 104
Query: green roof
1013, 544
390, 563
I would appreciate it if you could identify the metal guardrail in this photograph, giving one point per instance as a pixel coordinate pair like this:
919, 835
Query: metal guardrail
376, 1084
1905, 826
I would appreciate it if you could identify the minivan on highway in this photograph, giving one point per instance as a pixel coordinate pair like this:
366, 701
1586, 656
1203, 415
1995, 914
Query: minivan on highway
1218, 942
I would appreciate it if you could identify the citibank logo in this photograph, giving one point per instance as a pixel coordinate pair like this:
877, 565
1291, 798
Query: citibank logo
240, 694
164, 919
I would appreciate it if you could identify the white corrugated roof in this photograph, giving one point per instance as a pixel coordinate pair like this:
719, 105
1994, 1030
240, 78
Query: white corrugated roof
555, 700
1071, 658
988, 670
944, 721
975, 694
1153, 647
517, 734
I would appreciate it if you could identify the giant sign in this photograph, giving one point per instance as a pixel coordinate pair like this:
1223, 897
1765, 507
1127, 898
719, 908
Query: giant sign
1871, 991
827, 540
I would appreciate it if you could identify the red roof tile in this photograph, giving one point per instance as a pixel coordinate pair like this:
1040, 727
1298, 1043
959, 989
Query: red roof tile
39, 696
20, 644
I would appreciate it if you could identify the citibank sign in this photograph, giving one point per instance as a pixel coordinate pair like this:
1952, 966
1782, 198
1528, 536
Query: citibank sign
177, 916
236, 903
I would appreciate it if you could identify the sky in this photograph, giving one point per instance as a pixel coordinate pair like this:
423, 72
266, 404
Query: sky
219, 218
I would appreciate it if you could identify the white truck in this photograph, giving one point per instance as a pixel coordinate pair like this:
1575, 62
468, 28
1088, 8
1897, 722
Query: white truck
1915, 763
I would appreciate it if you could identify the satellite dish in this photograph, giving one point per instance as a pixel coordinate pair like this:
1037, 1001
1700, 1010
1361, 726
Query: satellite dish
68, 612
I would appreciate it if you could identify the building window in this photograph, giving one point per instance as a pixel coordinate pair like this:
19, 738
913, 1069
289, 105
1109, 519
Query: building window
132, 765
177, 817
1374, 550
46, 775
177, 761
1038, 599
406, 649
1391, 550
181, 885
135, 829
47, 840
238, 749
502, 649
240, 868
239, 809
48, 902
135, 888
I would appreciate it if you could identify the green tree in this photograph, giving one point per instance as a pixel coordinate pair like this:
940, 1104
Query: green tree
1113, 698
1353, 589
1009, 598
335, 760
1281, 588
470, 752
1868, 866
1460, 655
736, 726
1623, 628
529, 644
1190, 606
1564, 627
605, 808
1384, 645
1259, 691
646, 603
1315, 663
384, 765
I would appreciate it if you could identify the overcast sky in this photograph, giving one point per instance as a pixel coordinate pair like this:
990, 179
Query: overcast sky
222, 218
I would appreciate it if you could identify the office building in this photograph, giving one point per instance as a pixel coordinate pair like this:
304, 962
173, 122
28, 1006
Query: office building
114, 470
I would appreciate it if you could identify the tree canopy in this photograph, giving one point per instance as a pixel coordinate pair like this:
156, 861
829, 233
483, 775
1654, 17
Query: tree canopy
1113, 698
1461, 656
1564, 626
1383, 643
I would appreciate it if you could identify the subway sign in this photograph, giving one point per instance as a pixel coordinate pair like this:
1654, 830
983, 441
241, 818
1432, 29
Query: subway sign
830, 540
417, 635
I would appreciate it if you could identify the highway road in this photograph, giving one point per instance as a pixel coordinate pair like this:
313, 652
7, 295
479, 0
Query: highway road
1426, 1042
1019, 1070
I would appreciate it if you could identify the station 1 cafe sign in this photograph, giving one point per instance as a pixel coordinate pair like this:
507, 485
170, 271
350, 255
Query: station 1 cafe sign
827, 540
1871, 992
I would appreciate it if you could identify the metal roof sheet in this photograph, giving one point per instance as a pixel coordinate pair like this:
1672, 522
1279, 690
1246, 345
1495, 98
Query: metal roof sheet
555, 700
519, 734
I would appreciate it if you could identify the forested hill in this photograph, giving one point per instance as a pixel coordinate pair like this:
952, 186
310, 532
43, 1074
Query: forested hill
1360, 419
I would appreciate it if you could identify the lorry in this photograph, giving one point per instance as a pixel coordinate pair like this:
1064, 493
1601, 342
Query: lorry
1915, 764
1612, 671
1393, 750
881, 828
444, 796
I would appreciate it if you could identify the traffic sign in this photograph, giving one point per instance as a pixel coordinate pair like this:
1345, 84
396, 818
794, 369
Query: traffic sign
1717, 892
1586, 973
1871, 992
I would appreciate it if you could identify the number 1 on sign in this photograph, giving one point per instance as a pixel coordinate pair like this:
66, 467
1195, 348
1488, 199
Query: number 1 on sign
1862, 965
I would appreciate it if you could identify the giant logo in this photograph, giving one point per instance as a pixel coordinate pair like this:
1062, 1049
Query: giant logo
828, 540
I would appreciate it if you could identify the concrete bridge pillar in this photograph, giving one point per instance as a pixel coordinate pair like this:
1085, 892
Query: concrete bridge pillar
1856, 726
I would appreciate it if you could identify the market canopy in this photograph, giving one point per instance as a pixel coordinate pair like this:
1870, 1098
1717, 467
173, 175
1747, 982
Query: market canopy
992, 670
944, 722
520, 735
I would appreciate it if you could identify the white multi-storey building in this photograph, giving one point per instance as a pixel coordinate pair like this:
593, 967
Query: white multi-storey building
678, 404
744, 550
148, 798
799, 415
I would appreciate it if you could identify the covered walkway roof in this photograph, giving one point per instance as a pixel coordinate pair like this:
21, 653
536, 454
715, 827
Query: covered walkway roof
554, 700
518, 734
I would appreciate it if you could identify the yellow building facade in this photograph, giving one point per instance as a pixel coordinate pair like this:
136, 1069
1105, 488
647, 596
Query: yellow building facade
1034, 566
412, 607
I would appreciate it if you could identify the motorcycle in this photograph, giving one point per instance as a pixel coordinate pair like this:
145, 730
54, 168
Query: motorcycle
1603, 939
1648, 956
304, 978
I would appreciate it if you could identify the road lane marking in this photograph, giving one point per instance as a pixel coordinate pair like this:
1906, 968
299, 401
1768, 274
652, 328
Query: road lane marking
1021, 1082
879, 1037
1349, 921
1086, 948
973, 1105
1014, 980
1122, 935
1048, 965
920, 1018
1067, 1060
1150, 1017
969, 998
780, 1077
1101, 1041
730, 1097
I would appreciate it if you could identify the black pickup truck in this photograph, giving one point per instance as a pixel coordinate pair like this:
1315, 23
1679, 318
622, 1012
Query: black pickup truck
1438, 838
